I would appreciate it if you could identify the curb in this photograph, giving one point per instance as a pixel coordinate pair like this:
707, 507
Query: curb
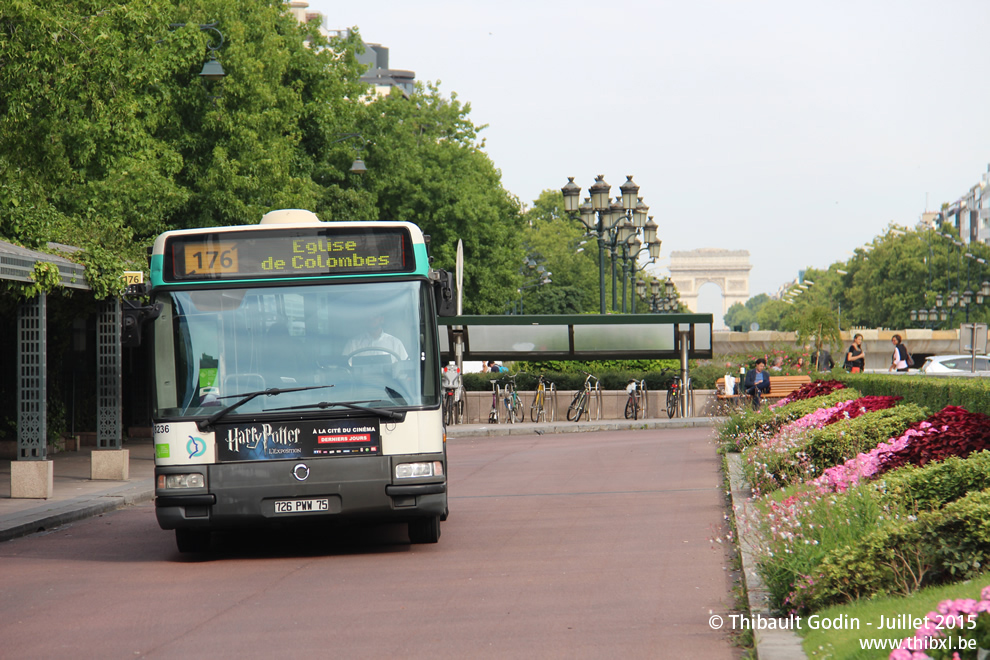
54, 514
774, 644
524, 428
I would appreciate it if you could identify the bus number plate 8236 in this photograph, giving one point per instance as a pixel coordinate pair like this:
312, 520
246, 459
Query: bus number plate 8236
302, 506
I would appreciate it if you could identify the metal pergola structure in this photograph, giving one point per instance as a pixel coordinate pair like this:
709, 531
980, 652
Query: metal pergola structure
17, 264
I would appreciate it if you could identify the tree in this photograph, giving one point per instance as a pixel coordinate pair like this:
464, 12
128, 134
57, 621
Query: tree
426, 166
553, 239
775, 315
109, 137
818, 327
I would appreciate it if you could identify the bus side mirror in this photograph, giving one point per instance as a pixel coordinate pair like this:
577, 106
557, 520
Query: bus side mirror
134, 318
444, 293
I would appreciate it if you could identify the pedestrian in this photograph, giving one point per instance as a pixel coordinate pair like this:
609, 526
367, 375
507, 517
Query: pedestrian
778, 363
855, 357
799, 365
823, 360
757, 383
901, 358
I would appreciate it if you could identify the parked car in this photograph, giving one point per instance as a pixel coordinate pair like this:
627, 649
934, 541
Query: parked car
941, 364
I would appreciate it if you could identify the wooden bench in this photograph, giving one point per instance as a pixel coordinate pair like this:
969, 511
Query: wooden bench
780, 386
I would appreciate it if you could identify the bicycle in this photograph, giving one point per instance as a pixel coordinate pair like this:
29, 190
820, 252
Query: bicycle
453, 395
638, 402
582, 399
496, 395
675, 393
510, 400
544, 402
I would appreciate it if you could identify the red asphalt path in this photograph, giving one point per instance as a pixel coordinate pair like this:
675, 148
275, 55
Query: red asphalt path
582, 545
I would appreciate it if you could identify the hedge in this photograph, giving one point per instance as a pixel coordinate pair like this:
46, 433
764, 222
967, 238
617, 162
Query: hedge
933, 393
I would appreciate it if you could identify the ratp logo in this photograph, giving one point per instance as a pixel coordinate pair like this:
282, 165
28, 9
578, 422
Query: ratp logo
195, 447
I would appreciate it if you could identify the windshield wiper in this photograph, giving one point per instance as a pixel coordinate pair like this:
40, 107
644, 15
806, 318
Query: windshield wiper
205, 424
352, 405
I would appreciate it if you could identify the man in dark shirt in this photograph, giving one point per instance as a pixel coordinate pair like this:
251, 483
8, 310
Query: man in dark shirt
757, 382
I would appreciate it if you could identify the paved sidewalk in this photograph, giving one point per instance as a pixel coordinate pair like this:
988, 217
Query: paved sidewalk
76, 496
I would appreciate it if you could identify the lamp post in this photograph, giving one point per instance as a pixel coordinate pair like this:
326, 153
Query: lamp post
632, 248
358, 166
946, 305
605, 221
539, 276
212, 70
660, 303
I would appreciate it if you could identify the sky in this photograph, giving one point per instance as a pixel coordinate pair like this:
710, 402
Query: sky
793, 129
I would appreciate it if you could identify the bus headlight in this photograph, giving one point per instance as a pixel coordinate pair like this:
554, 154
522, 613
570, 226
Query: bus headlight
411, 470
194, 480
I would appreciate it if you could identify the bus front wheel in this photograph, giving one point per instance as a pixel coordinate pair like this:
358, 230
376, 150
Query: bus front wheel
192, 540
424, 530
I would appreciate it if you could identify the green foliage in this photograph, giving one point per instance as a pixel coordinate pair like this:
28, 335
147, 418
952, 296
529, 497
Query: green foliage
950, 543
817, 326
935, 484
611, 379
744, 315
426, 166
747, 427
552, 239
776, 315
973, 394
793, 553
837, 443
899, 271
109, 137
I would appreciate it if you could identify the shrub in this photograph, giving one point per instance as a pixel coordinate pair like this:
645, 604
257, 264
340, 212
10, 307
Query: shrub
841, 441
571, 380
936, 484
747, 428
798, 455
952, 543
932, 392
800, 530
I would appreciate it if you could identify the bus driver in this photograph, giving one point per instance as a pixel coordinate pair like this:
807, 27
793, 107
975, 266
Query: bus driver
376, 337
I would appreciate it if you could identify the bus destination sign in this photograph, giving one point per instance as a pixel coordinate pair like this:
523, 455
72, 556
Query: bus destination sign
323, 251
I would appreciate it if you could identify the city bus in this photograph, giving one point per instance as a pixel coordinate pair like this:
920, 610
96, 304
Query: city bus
296, 377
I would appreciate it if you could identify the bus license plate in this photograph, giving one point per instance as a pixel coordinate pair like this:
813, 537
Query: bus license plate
302, 506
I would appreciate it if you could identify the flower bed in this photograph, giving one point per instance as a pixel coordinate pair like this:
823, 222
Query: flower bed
880, 498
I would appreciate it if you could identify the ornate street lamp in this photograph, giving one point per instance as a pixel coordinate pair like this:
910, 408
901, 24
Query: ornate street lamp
212, 70
612, 223
358, 166
660, 303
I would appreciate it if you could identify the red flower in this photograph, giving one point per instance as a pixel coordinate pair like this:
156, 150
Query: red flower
955, 432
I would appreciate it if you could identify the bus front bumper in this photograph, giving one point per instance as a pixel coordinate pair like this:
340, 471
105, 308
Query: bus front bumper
247, 494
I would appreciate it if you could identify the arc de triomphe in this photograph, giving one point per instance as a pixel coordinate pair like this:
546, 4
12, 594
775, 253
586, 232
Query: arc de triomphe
727, 269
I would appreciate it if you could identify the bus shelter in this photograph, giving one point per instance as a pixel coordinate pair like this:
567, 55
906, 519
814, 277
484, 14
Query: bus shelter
577, 337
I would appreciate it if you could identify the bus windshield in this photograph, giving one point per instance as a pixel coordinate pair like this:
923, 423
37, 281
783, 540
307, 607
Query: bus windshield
367, 343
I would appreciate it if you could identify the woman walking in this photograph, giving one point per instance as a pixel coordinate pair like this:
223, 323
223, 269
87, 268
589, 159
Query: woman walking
899, 361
